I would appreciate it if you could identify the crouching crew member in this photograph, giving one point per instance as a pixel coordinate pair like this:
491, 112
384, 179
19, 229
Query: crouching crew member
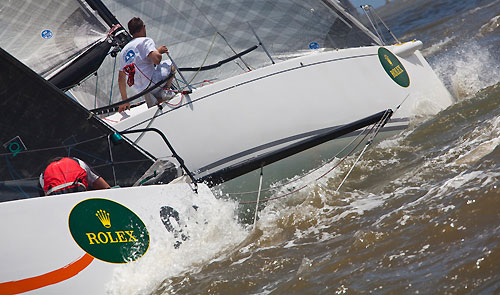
68, 175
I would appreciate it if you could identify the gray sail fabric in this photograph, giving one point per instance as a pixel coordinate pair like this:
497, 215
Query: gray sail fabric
203, 32
47, 34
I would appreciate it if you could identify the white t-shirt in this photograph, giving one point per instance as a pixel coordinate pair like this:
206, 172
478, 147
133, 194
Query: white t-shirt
136, 51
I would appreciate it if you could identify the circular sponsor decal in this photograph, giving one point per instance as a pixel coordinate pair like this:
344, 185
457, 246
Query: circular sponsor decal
129, 56
47, 34
108, 231
314, 45
393, 67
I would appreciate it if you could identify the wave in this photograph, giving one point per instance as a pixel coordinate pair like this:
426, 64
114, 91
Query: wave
467, 68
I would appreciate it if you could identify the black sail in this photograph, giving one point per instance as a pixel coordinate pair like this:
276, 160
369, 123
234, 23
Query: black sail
38, 122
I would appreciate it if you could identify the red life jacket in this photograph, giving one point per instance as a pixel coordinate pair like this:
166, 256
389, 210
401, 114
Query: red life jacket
65, 175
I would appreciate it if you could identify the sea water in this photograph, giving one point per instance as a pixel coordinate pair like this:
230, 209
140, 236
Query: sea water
419, 214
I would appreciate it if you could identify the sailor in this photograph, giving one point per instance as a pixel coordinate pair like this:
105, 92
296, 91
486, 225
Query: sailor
68, 175
141, 65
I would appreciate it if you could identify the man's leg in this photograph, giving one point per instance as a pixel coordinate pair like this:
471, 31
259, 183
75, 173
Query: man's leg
172, 74
164, 71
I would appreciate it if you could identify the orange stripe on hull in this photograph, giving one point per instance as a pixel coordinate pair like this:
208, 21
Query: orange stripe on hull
50, 278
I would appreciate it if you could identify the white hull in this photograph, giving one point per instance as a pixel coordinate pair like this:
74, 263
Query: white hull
238, 118
41, 254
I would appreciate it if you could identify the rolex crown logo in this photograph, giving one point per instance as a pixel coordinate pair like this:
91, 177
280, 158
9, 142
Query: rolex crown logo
388, 59
104, 218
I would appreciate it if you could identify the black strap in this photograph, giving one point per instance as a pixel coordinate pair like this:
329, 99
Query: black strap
220, 63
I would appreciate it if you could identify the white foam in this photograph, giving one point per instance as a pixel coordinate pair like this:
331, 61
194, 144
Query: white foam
477, 144
467, 69
492, 25
437, 46
212, 228
479, 152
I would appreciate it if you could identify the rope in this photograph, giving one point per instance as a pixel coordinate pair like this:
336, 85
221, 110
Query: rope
204, 61
165, 88
197, 71
112, 107
173, 105
130, 71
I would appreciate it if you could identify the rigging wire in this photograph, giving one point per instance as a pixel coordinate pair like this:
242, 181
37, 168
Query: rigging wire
316, 179
375, 128
311, 171
370, 141
69, 147
258, 197
250, 68
12, 172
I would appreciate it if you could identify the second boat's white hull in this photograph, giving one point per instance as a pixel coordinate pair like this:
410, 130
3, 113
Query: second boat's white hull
79, 243
266, 109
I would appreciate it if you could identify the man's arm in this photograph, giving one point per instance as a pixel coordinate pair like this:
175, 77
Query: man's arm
100, 183
122, 85
155, 56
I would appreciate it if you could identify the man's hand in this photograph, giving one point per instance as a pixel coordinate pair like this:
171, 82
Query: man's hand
123, 107
162, 49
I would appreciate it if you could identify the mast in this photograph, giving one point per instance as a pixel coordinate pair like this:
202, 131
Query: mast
88, 62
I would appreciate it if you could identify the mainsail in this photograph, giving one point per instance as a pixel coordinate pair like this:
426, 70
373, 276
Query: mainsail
66, 41
204, 32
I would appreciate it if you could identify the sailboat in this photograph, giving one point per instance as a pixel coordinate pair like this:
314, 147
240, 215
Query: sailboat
308, 73
297, 70
257, 76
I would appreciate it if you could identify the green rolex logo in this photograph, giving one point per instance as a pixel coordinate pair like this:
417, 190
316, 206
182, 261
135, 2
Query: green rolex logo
108, 231
393, 67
